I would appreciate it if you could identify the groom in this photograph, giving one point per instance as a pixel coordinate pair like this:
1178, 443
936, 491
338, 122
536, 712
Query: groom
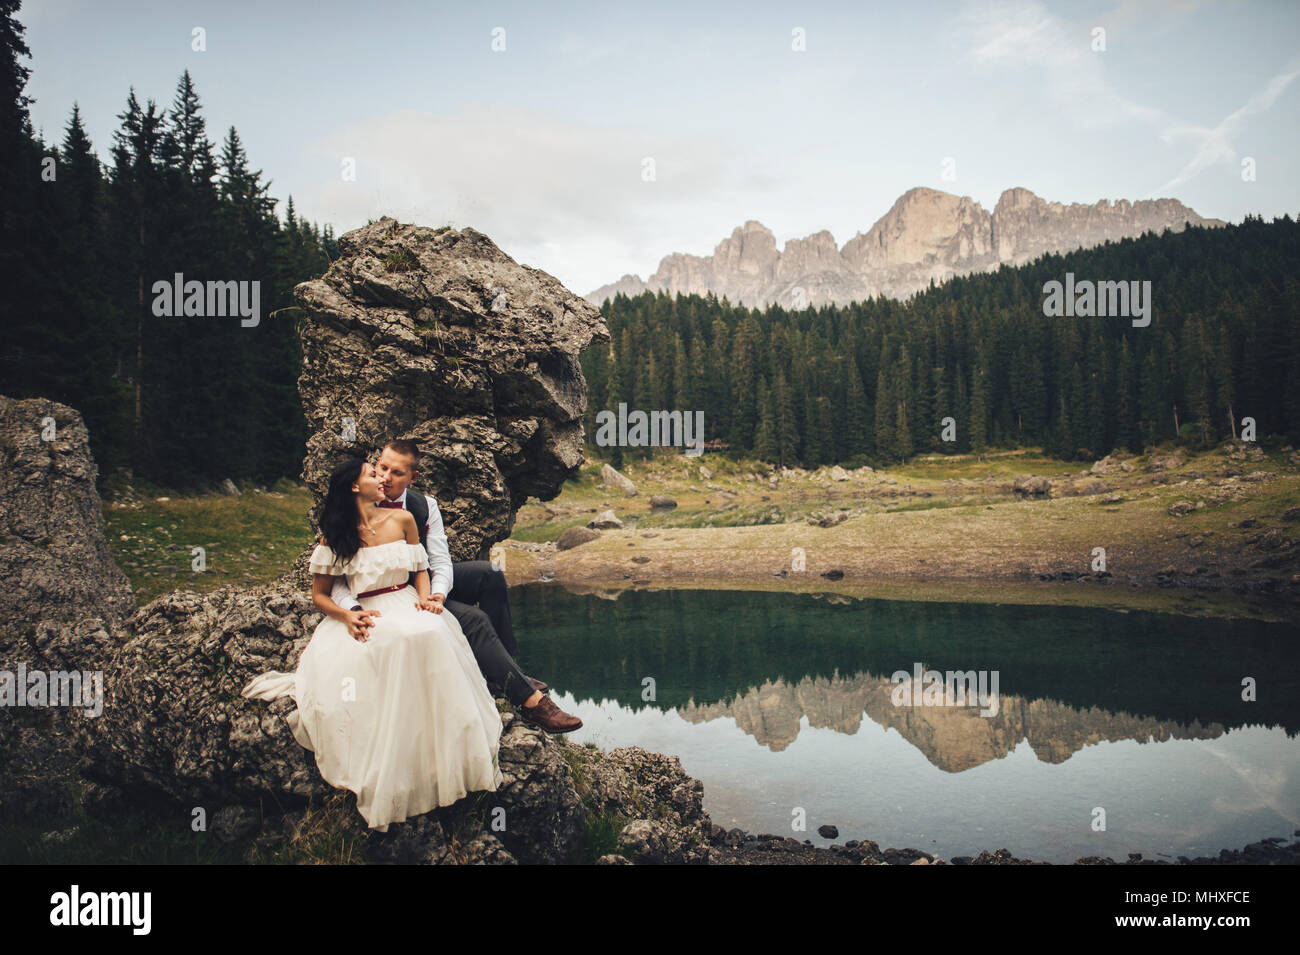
487, 627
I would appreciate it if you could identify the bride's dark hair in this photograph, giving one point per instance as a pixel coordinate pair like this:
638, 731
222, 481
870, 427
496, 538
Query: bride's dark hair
338, 518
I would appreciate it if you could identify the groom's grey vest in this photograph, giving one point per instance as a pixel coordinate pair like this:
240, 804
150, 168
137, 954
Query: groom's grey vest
418, 505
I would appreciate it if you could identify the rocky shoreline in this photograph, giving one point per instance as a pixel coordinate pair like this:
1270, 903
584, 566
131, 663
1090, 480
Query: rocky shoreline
784, 850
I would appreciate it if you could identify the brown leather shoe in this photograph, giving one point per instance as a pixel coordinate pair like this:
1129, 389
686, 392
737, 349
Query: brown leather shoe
549, 717
541, 687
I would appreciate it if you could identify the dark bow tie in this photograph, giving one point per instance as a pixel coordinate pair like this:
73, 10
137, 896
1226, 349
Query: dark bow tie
396, 504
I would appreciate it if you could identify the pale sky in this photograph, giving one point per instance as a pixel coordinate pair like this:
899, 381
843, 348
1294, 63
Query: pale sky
542, 144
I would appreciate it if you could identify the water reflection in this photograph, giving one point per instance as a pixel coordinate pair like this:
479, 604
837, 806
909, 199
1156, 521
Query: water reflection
953, 738
779, 701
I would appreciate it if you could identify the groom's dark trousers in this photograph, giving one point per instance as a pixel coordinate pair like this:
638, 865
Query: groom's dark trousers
487, 626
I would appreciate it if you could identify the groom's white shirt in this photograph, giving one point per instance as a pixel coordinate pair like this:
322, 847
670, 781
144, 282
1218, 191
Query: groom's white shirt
435, 542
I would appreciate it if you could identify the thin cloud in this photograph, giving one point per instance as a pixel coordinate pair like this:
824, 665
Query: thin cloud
1025, 34
1215, 145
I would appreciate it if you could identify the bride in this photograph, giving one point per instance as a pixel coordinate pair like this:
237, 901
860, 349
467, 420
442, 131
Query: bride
399, 714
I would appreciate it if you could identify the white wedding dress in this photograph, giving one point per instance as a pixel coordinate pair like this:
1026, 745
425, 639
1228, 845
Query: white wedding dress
404, 720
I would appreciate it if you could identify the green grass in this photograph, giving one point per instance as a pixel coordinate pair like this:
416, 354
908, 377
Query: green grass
400, 260
249, 540
599, 836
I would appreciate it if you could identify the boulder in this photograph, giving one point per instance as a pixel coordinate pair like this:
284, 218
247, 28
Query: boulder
557, 790
175, 726
542, 811
437, 335
174, 723
62, 597
662, 502
575, 536
645, 841
425, 840
605, 521
662, 806
54, 560
829, 520
615, 480
839, 474
1030, 485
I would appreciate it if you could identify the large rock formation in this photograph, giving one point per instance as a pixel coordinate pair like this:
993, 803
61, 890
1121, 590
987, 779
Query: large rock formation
439, 336
175, 730
926, 236
54, 560
62, 593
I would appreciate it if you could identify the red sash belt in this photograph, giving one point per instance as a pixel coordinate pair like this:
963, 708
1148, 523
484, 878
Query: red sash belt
383, 590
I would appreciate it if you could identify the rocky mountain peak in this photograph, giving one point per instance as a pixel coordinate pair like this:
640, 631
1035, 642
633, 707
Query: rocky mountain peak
751, 250
926, 235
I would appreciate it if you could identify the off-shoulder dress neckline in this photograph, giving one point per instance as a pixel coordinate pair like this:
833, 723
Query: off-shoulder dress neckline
400, 540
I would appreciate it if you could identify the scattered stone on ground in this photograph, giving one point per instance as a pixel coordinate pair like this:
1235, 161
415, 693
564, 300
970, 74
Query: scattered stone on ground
574, 536
617, 481
605, 521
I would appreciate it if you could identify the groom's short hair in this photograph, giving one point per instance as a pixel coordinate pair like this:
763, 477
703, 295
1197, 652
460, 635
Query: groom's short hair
403, 446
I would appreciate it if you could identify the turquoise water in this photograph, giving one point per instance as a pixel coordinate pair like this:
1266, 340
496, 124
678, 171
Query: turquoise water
783, 706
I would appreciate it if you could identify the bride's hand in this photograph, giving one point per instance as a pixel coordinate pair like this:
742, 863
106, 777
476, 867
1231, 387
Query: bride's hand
431, 604
359, 623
